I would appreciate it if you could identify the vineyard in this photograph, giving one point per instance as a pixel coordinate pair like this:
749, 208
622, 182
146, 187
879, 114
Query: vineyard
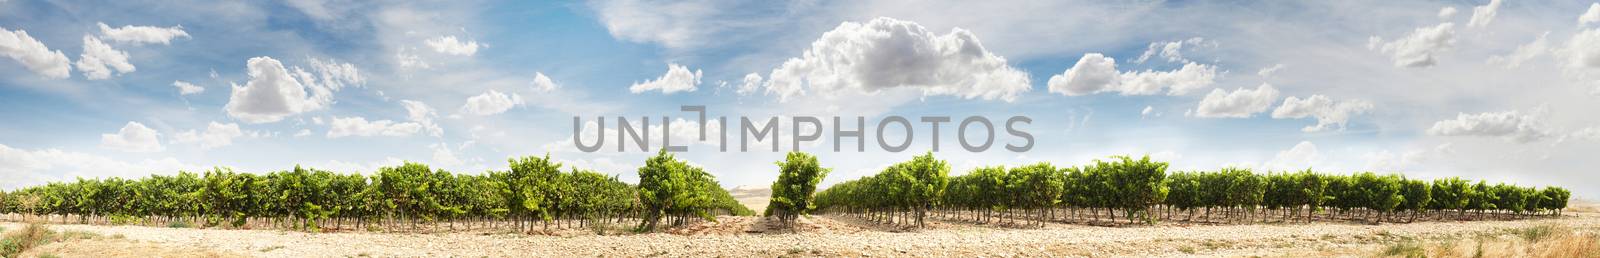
536, 195
1127, 190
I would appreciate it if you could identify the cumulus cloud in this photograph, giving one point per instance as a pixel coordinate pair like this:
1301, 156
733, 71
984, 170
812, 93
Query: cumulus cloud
442, 155
1148, 110
33, 54
1096, 73
1447, 12
1387, 161
1512, 126
750, 84
1523, 53
1092, 73
1303, 155
273, 93
1241, 103
1191, 77
186, 88
99, 60
887, 53
1483, 14
451, 46
421, 113
491, 102
133, 137
677, 79
142, 34
1330, 114
1580, 56
1172, 51
359, 126
20, 167
542, 83
215, 135
1418, 49
1590, 16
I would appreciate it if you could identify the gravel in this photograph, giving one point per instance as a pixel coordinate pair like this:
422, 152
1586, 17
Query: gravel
825, 236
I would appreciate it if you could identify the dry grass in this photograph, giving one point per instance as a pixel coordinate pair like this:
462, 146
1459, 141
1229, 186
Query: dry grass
30, 236
1536, 241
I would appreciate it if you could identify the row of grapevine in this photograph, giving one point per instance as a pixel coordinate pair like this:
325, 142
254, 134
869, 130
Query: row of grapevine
792, 193
901, 194
1141, 190
534, 191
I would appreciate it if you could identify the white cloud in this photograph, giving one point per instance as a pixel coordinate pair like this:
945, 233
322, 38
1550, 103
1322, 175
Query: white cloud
1171, 50
215, 135
19, 167
750, 84
443, 156
273, 94
303, 133
1191, 77
1420, 48
451, 46
1330, 114
358, 126
1580, 56
677, 79
1590, 16
1269, 71
674, 24
542, 83
1241, 103
1590, 133
186, 88
1386, 161
1523, 53
491, 102
1092, 73
1147, 111
1582, 51
133, 137
1303, 155
333, 74
1447, 12
1095, 73
410, 60
33, 54
1483, 14
887, 53
142, 34
416, 111
1512, 126
99, 60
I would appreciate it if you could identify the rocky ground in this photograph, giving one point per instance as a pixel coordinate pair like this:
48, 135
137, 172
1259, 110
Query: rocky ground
817, 236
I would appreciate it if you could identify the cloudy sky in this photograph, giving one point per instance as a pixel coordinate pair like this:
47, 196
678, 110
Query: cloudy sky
1497, 90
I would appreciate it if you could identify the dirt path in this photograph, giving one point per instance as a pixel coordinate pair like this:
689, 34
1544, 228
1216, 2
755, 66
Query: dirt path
819, 236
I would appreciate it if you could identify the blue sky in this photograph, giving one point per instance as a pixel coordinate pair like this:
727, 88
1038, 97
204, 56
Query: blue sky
1503, 91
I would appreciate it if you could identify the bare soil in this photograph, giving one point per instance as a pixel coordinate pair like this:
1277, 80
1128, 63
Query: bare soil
812, 236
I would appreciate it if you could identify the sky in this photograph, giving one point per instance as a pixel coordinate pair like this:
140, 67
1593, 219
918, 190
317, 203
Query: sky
1505, 91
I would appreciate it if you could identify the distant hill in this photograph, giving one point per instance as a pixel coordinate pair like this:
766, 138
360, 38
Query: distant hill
754, 197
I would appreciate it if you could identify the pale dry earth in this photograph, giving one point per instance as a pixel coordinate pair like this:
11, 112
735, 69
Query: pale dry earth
818, 236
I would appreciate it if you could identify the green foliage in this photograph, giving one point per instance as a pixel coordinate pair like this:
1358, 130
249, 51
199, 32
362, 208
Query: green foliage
669, 187
792, 193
